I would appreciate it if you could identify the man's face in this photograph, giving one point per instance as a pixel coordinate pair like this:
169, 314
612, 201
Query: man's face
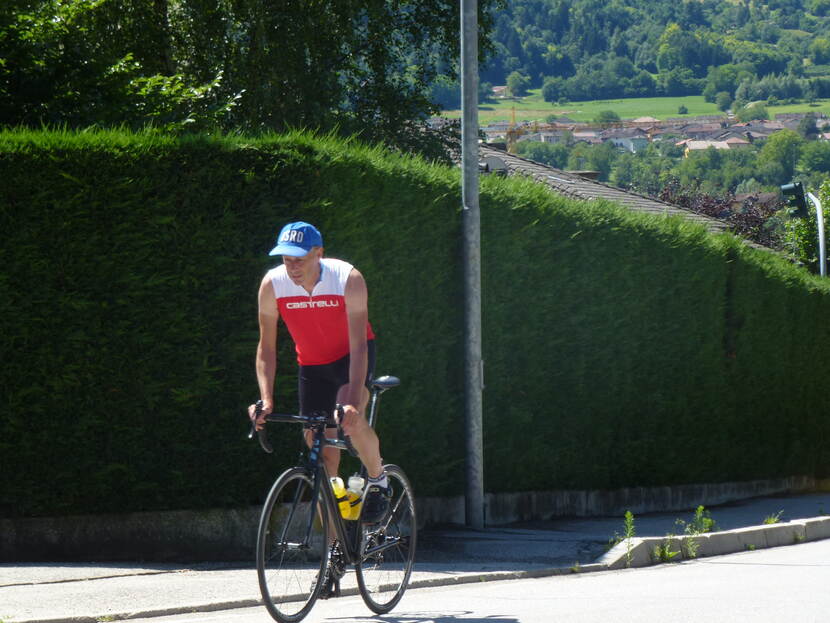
304, 270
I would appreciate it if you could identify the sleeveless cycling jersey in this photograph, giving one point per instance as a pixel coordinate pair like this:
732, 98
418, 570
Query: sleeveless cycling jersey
317, 322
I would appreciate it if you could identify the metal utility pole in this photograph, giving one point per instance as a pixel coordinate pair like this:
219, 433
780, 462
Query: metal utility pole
794, 192
822, 255
471, 227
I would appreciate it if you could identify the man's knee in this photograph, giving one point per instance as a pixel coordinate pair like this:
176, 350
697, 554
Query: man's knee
355, 425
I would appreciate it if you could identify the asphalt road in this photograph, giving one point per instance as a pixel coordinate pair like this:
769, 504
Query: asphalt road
773, 585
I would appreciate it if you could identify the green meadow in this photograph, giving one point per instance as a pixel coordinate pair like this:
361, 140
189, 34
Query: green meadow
534, 108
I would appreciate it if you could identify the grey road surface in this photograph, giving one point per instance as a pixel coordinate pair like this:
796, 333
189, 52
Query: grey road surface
776, 585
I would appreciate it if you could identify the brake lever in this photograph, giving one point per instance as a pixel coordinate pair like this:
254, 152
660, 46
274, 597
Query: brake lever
261, 434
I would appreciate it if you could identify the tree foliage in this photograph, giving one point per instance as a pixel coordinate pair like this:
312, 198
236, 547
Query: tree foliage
590, 49
517, 84
361, 66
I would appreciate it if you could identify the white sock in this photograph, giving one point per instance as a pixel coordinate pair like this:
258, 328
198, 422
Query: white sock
381, 481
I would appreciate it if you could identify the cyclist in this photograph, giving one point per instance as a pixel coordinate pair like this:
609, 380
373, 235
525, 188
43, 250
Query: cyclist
323, 302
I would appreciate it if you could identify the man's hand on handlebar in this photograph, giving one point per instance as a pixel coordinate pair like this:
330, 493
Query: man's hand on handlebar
346, 416
259, 418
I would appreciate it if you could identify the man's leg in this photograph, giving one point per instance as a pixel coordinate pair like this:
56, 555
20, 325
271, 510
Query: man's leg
363, 437
318, 392
365, 441
331, 456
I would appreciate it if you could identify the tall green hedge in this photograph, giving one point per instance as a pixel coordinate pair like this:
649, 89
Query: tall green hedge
619, 349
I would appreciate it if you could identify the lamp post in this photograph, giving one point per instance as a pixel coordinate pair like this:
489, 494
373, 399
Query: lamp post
471, 226
822, 256
794, 192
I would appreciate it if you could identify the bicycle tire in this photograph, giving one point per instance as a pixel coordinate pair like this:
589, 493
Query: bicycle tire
387, 550
292, 551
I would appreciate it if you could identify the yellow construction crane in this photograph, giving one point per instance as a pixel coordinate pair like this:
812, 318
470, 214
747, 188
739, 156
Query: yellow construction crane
513, 132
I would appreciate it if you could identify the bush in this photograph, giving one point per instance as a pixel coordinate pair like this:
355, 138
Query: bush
130, 265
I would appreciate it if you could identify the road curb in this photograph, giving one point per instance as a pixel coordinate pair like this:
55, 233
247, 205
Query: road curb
632, 553
643, 552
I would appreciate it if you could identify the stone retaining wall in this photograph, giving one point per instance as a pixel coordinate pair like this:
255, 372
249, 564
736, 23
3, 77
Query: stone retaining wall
230, 535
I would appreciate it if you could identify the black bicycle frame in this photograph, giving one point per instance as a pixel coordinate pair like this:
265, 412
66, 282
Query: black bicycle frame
317, 423
321, 484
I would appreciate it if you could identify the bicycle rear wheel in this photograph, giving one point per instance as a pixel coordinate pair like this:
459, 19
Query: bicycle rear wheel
387, 549
292, 547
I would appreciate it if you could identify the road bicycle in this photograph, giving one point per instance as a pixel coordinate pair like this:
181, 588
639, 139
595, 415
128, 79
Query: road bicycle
304, 544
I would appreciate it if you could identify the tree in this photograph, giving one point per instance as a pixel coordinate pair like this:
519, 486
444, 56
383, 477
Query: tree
820, 7
815, 156
678, 81
820, 50
752, 111
723, 101
682, 110
594, 158
446, 93
783, 148
552, 88
807, 127
360, 67
518, 84
485, 91
552, 154
606, 117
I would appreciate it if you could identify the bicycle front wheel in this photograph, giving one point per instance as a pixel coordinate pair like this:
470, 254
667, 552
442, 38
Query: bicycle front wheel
388, 548
292, 547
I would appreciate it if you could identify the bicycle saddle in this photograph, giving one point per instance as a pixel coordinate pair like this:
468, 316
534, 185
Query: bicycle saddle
382, 383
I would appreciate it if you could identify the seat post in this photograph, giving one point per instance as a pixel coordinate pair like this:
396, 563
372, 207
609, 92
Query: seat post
373, 405
377, 387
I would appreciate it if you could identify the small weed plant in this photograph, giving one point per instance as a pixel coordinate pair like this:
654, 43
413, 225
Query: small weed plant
772, 519
701, 523
628, 533
664, 552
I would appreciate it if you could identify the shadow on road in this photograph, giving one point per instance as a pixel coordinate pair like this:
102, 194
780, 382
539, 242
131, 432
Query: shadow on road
435, 617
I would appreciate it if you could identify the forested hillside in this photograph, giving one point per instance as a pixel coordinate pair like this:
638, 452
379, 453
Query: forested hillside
592, 49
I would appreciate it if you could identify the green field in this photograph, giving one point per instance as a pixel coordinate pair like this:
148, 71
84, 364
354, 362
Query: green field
534, 108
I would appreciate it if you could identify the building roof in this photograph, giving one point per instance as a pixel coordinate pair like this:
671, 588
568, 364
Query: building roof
694, 145
702, 128
624, 133
577, 187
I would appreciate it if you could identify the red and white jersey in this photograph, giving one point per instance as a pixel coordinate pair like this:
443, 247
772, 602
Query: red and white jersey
317, 322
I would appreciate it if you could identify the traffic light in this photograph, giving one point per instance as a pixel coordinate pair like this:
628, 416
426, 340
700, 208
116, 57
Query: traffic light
794, 192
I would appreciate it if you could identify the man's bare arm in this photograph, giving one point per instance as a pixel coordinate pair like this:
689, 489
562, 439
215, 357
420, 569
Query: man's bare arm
357, 311
266, 353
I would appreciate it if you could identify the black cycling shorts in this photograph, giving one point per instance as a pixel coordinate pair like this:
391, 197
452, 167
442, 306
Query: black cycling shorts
318, 385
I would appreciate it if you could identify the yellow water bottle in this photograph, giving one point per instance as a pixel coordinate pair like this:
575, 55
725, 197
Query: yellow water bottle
340, 495
355, 497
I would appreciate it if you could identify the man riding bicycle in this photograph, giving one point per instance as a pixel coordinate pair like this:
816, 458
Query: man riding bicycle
324, 304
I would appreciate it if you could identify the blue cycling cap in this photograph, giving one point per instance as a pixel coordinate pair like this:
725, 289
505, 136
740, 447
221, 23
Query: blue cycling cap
297, 239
